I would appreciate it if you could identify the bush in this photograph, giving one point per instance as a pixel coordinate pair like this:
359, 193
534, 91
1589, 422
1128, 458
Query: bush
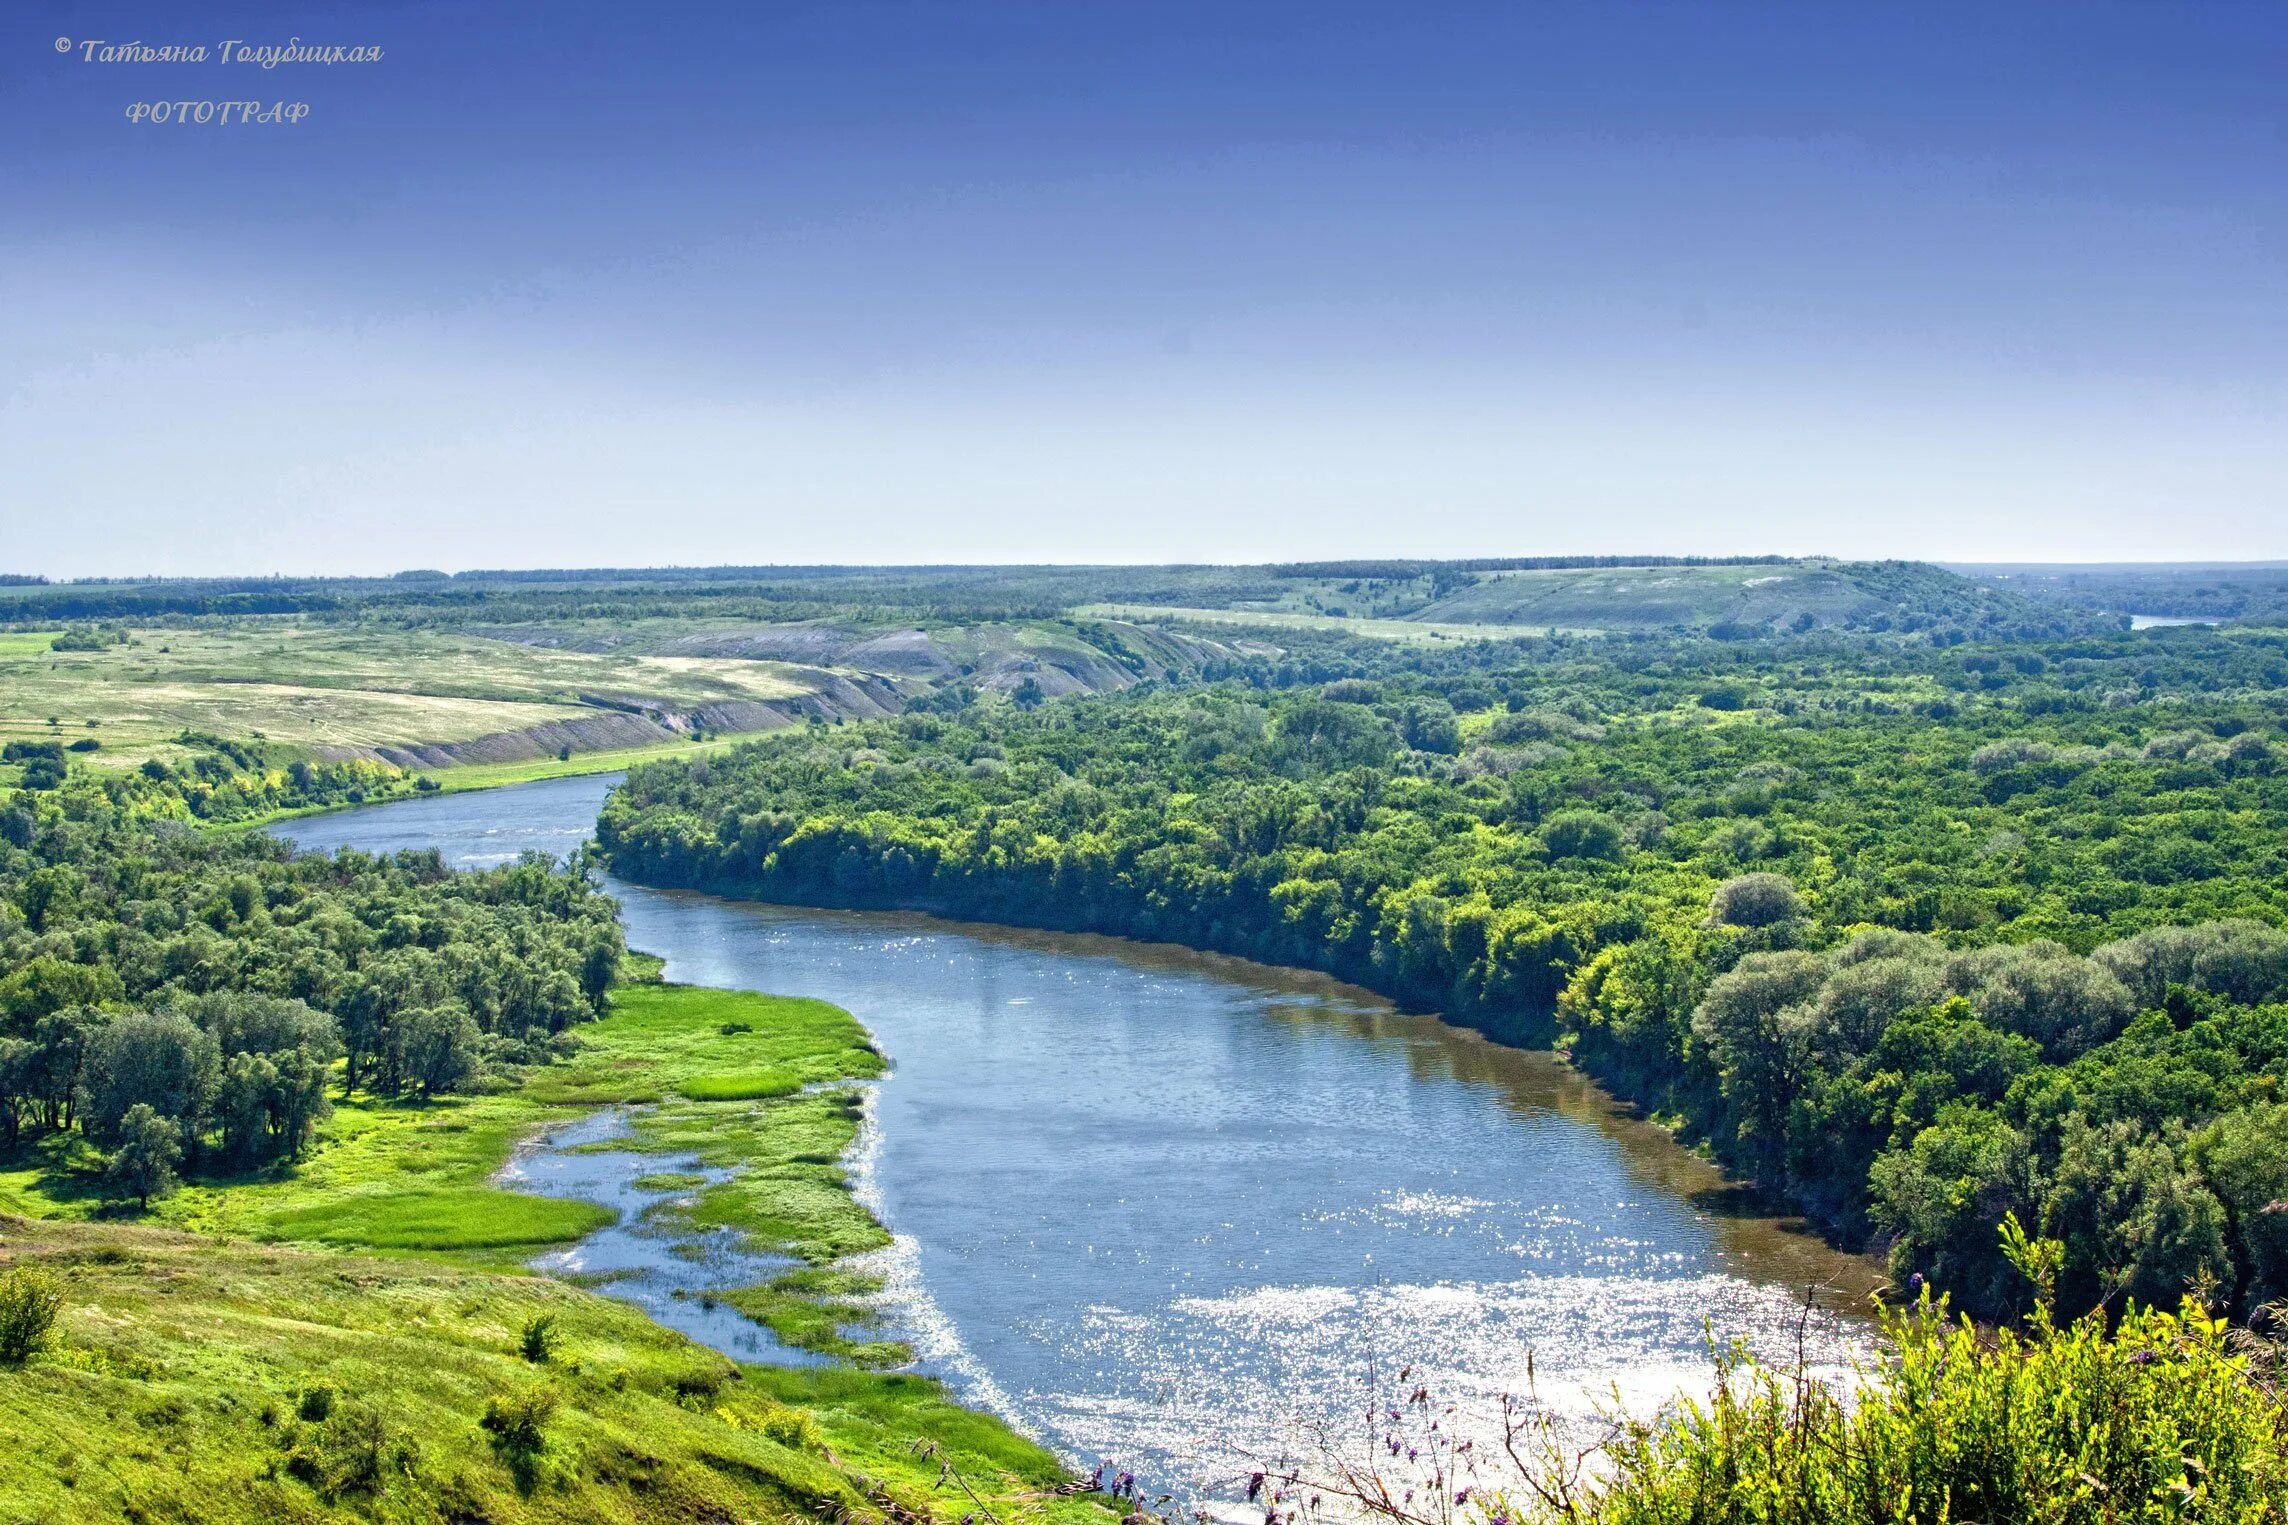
537, 1342
518, 1422
2157, 1418
30, 1298
2160, 1417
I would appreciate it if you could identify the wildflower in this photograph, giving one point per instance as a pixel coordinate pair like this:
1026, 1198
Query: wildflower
2141, 1358
1254, 1486
1462, 1496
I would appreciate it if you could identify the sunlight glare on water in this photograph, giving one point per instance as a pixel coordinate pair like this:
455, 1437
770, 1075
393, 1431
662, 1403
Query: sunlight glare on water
1177, 1212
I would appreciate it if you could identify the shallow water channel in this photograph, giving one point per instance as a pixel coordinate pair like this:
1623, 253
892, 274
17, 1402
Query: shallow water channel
1180, 1211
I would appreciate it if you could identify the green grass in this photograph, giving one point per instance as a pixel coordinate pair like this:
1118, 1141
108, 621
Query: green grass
467, 1219
812, 1309
753, 1085
201, 1382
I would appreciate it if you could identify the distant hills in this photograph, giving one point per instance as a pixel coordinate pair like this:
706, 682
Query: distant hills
1730, 598
1740, 597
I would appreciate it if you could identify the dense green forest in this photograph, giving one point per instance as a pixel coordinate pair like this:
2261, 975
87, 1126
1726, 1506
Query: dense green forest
1917, 936
183, 1000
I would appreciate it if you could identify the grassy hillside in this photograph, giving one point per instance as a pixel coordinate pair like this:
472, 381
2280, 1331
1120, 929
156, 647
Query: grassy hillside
436, 698
194, 1381
181, 1382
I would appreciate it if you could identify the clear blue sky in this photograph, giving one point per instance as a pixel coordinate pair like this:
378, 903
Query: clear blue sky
584, 283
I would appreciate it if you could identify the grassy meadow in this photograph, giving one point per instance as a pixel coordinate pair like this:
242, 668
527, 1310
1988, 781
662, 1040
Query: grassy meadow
310, 685
196, 1381
383, 1271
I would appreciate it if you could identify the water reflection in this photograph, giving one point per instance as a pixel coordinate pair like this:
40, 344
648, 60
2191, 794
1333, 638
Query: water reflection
1178, 1210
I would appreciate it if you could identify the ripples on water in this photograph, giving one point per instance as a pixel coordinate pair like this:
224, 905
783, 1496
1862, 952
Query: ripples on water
1176, 1210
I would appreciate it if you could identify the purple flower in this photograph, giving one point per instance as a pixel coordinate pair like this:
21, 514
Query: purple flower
2141, 1358
1254, 1487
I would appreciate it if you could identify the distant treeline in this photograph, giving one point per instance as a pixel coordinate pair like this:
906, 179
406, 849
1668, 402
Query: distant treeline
2256, 593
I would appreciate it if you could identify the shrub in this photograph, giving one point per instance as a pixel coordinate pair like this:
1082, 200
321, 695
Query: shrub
350, 1451
518, 1422
537, 1342
790, 1427
2159, 1417
30, 1298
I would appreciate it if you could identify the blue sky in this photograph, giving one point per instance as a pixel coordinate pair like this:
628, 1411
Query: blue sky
577, 284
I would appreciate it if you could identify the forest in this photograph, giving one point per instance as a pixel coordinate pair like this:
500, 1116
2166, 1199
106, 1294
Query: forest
181, 1003
1919, 938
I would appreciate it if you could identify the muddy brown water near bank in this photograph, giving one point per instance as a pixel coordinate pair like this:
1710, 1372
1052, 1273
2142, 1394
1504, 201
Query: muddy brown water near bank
1180, 1211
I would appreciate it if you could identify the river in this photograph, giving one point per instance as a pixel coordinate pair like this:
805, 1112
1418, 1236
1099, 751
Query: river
1176, 1210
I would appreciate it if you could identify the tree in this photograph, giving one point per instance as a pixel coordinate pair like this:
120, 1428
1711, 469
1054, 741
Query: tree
1754, 900
19, 1085
438, 1050
143, 1164
1582, 834
2245, 1158
1758, 1023
163, 1062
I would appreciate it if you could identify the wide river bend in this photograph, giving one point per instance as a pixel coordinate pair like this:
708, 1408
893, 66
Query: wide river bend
1175, 1210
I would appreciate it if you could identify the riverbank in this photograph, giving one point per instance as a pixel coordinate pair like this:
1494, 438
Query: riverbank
428, 1307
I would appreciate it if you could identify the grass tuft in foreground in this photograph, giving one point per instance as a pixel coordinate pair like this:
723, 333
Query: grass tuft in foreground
2156, 1416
